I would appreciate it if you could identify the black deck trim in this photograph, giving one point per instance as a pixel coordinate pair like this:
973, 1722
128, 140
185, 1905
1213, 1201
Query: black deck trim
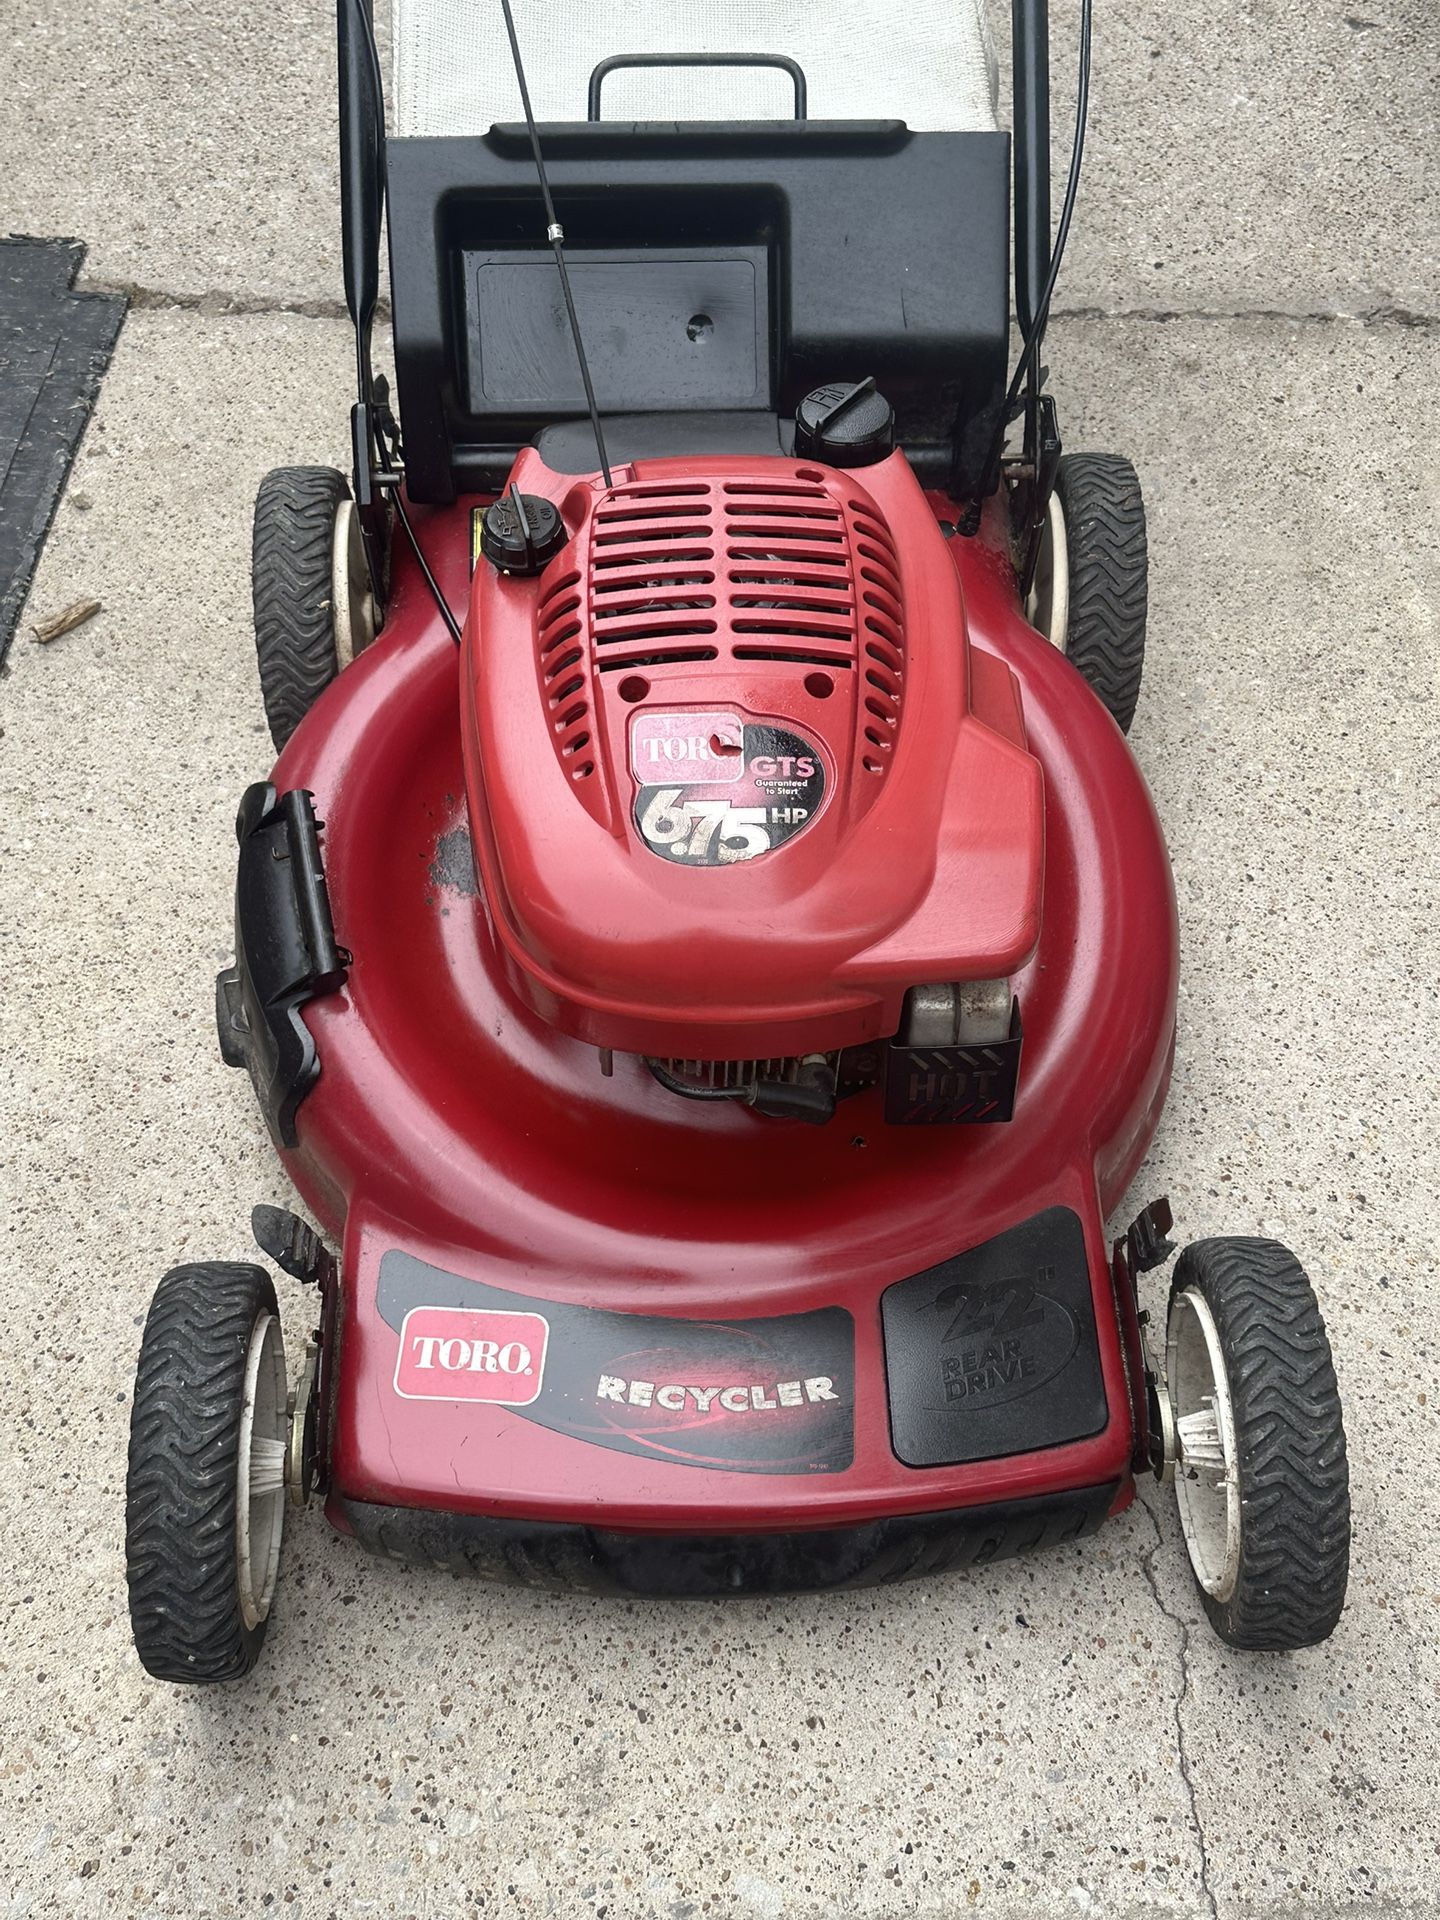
567, 1557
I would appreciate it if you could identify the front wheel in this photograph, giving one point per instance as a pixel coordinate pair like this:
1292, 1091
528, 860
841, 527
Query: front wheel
205, 1494
1262, 1481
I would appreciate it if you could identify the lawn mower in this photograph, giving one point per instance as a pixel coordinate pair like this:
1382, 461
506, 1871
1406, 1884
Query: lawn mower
705, 954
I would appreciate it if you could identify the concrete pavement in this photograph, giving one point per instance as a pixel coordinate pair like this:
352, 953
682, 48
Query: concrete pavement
1047, 1738
1248, 155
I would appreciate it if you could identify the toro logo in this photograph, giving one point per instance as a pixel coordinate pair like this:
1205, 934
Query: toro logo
471, 1353
703, 748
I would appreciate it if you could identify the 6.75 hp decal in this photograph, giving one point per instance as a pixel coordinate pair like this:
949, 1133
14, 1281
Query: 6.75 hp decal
713, 789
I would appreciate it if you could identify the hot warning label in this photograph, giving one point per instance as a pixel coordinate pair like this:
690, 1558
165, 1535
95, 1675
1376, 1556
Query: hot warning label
714, 789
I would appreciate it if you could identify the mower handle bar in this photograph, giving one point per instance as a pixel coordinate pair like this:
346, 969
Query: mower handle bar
362, 172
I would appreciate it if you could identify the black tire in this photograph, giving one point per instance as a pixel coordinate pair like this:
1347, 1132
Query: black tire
181, 1500
291, 577
1108, 568
1291, 1468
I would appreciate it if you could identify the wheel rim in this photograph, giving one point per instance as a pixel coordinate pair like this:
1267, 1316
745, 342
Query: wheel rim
1047, 605
260, 1471
1207, 1485
351, 595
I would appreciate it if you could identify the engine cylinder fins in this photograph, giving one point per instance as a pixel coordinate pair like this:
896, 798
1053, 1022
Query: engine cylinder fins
802, 1087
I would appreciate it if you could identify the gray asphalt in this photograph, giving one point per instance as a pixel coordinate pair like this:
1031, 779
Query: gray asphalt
1253, 314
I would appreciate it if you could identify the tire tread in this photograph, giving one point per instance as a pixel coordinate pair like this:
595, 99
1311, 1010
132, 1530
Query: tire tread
292, 589
1290, 1437
181, 1496
1109, 576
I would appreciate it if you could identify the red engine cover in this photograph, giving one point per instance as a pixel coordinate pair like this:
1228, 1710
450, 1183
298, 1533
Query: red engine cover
735, 777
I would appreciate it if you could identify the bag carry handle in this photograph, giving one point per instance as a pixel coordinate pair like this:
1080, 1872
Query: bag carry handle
616, 60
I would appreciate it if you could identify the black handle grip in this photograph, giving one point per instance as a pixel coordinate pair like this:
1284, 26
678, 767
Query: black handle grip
616, 60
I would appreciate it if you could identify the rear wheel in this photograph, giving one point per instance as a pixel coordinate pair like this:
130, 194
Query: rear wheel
1262, 1482
1091, 578
205, 1494
314, 610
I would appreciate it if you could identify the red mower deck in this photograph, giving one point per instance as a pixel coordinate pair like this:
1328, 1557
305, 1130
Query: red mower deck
470, 1156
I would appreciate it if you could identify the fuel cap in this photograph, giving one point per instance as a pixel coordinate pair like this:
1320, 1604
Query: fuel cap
521, 533
846, 424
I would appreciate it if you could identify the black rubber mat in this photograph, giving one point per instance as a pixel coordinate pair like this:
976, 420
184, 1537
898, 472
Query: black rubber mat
55, 345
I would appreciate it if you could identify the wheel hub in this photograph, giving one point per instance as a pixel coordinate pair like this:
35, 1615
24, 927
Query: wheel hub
260, 1505
1207, 1487
352, 595
1047, 605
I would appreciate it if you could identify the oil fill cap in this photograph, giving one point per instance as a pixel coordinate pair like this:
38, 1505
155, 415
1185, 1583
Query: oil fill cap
846, 424
521, 532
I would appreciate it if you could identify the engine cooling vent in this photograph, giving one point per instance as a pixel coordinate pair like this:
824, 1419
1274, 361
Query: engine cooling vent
796, 569
882, 633
565, 670
652, 584
790, 574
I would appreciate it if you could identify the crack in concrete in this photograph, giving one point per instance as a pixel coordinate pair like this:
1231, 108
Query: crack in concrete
1380, 316
1182, 1754
222, 302
225, 303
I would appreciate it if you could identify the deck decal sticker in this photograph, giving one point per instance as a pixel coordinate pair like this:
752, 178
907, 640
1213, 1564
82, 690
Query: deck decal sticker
713, 789
772, 1395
